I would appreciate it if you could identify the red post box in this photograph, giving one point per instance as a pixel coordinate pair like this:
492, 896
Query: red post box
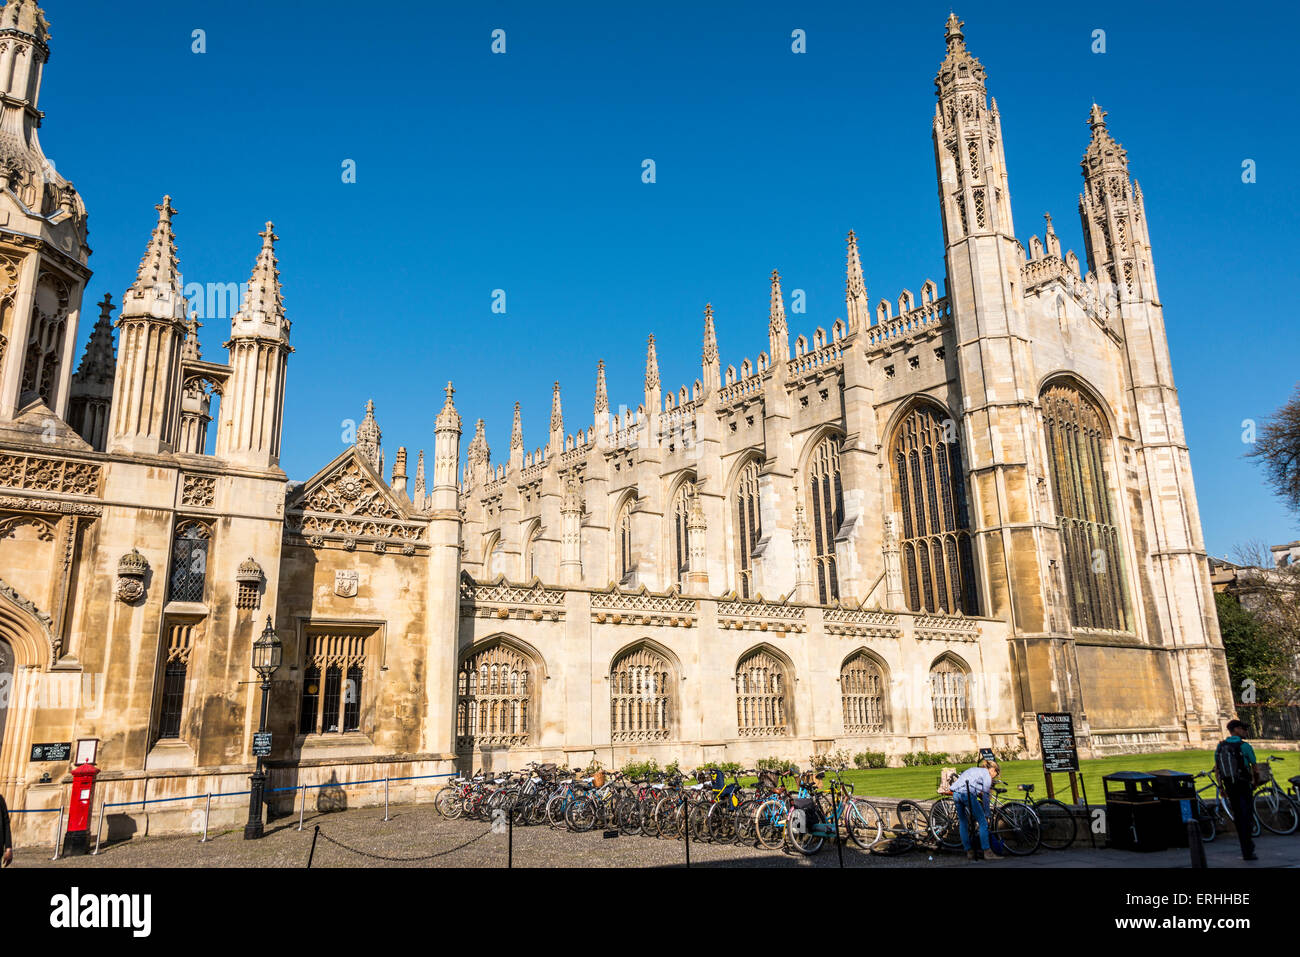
77, 840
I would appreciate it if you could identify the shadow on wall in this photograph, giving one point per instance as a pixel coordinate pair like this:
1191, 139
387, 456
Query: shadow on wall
331, 797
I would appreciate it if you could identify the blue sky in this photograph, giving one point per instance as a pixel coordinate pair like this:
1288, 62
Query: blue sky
522, 172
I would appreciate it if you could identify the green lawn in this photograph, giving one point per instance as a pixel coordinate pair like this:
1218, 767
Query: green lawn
920, 782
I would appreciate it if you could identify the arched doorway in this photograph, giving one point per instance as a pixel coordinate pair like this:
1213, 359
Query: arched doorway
27, 646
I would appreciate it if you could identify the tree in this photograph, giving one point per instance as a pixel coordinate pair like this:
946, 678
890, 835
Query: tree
1277, 447
1255, 664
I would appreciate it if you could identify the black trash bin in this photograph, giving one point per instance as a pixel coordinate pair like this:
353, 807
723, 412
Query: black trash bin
1176, 792
1133, 812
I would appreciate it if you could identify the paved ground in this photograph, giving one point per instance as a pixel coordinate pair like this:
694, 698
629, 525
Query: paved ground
416, 836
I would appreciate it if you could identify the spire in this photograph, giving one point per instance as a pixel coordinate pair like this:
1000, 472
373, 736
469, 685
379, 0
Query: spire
419, 480
710, 356
99, 360
448, 418
651, 367
398, 482
158, 290
858, 315
191, 350
369, 437
557, 416
602, 397
778, 334
1051, 240
516, 434
960, 71
1103, 153
263, 304
478, 447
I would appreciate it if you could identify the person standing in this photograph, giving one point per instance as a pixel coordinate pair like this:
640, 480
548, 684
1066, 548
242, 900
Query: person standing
6, 835
1234, 760
970, 792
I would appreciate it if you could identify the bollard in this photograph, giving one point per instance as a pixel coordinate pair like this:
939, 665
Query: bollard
835, 816
207, 814
99, 831
686, 830
302, 804
385, 799
315, 834
510, 839
58, 831
1195, 845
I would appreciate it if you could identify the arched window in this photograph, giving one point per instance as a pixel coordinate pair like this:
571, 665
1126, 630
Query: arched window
762, 695
681, 536
1077, 438
495, 690
862, 694
948, 685
930, 494
640, 697
827, 514
748, 526
189, 562
530, 553
624, 565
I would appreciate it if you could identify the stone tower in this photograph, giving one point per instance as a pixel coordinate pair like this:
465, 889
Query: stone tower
252, 410
151, 339
43, 251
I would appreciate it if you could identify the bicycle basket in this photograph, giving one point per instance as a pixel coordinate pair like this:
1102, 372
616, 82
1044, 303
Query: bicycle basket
768, 778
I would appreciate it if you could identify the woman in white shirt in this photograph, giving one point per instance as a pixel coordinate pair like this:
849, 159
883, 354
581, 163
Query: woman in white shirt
971, 793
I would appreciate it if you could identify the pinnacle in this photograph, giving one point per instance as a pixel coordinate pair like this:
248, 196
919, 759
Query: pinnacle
264, 302
651, 366
98, 362
602, 396
448, 418
158, 289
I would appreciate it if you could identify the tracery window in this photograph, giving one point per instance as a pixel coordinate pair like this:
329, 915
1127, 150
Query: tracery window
333, 682
189, 562
827, 514
748, 527
45, 338
623, 562
862, 694
762, 695
936, 552
494, 689
640, 697
171, 710
681, 536
949, 683
530, 553
1077, 437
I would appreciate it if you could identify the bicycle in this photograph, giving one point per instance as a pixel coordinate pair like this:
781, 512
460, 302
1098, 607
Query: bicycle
1220, 813
1013, 824
1274, 808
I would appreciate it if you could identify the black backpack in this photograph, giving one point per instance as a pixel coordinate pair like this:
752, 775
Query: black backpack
1230, 762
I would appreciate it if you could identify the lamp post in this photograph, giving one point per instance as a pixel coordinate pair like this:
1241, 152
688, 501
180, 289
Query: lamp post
267, 652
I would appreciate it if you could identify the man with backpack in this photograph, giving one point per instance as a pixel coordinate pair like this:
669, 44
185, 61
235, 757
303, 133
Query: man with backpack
1234, 760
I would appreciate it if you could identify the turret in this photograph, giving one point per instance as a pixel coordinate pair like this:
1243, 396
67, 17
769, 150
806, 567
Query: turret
151, 337
369, 438
398, 483
446, 456
91, 396
252, 410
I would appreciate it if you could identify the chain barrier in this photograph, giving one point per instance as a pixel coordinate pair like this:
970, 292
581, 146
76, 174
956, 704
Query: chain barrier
398, 860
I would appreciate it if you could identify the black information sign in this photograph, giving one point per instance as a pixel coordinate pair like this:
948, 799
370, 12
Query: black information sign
52, 752
261, 744
986, 754
1056, 734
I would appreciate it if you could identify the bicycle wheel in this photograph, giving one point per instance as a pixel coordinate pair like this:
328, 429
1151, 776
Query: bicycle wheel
627, 815
1206, 819
722, 823
649, 825
668, 822
698, 818
944, 823
865, 823
769, 823
804, 841
744, 822
1016, 826
1057, 823
1275, 811
913, 820
581, 814
555, 809
447, 803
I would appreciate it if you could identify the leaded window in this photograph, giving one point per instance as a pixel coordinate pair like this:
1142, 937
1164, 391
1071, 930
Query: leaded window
189, 562
530, 554
681, 533
828, 515
1077, 438
623, 563
494, 689
949, 683
171, 706
748, 527
762, 696
333, 683
862, 694
640, 697
935, 548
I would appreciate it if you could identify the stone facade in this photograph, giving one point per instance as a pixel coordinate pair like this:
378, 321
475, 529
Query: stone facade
911, 531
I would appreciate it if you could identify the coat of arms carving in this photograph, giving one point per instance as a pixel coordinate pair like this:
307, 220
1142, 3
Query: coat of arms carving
345, 583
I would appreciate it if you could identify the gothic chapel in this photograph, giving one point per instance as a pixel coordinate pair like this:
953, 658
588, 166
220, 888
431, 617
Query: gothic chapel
910, 529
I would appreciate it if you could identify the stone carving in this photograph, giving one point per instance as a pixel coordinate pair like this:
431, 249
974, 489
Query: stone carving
345, 582
45, 621
198, 490
131, 569
48, 475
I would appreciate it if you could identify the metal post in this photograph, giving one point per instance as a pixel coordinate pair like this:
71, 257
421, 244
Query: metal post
315, 834
58, 830
385, 799
207, 813
686, 829
1194, 843
1087, 810
510, 839
302, 805
835, 815
99, 831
